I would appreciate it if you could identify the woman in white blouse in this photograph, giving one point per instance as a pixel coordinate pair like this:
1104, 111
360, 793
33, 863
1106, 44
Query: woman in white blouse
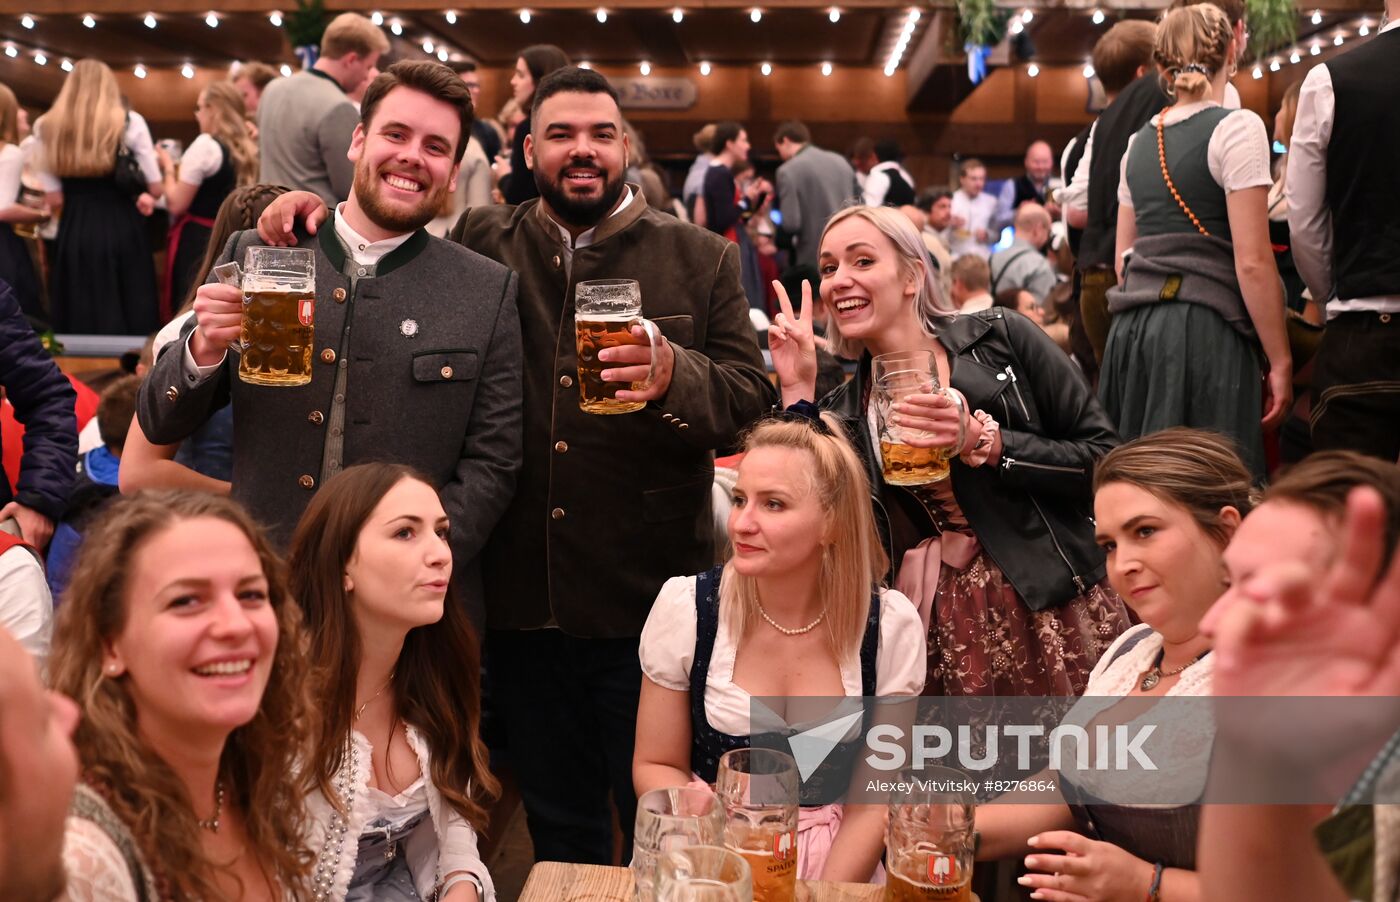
397, 775
797, 611
1198, 312
1166, 507
16, 267
222, 158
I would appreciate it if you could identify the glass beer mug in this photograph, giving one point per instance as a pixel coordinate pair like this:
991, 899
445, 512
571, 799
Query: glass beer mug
704, 874
605, 310
758, 788
897, 376
670, 819
929, 847
279, 304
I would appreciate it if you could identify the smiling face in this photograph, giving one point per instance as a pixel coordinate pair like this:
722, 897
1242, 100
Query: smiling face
864, 286
578, 152
1039, 161
522, 83
399, 572
200, 633
1165, 566
776, 524
404, 159
940, 215
38, 769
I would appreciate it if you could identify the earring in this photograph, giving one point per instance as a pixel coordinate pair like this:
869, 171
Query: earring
112, 669
349, 584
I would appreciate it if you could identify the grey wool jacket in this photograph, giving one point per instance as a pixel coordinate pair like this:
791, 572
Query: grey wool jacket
430, 346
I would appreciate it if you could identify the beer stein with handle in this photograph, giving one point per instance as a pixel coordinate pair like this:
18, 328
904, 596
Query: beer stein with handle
704, 874
605, 312
279, 306
759, 790
669, 819
895, 377
929, 847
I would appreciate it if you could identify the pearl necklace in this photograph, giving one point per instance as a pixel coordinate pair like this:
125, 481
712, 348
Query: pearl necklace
212, 823
784, 630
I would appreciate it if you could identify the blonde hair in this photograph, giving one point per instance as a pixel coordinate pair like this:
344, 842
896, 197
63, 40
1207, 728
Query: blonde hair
9, 117
1193, 43
81, 131
231, 128
854, 563
140, 786
352, 33
910, 255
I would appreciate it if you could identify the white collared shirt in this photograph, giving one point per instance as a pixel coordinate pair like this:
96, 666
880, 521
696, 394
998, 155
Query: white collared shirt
585, 239
364, 251
1309, 216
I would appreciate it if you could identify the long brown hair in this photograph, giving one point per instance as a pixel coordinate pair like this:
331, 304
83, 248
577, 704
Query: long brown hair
230, 126
259, 756
83, 127
9, 117
436, 684
854, 563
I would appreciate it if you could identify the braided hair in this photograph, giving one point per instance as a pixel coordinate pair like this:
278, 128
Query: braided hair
240, 210
1193, 43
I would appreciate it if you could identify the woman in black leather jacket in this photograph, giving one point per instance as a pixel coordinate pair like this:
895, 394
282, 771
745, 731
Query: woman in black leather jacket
1000, 558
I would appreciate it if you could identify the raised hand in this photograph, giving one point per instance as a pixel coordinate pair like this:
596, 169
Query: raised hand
1285, 631
277, 221
794, 347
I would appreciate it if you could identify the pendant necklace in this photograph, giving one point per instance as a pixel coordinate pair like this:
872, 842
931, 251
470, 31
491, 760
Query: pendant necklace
1154, 676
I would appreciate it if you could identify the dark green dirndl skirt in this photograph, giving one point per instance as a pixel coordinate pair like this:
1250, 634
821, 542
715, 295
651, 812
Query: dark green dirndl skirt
1176, 363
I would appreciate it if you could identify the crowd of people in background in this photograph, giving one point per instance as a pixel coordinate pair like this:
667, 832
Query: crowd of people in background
291, 643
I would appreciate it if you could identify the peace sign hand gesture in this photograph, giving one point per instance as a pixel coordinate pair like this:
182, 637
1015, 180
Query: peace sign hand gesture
794, 347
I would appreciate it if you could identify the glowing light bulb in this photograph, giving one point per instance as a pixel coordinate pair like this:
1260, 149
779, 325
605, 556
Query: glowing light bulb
41, 59
442, 54
1017, 27
678, 15
1275, 65
187, 70
1098, 17
644, 68
1088, 70
26, 20
834, 15
826, 69
766, 69
377, 17
524, 17
601, 15
1364, 29
451, 17
89, 22
10, 51
1317, 17
139, 71
66, 65
211, 20
1032, 70
755, 16
275, 18
1315, 50
705, 69
286, 70
1027, 16
1339, 40
1294, 58
396, 27
1258, 72
585, 65
150, 20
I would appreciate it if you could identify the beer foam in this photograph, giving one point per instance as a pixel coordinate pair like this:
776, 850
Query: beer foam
606, 317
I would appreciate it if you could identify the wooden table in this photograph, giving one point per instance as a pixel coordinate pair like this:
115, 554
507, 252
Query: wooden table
553, 881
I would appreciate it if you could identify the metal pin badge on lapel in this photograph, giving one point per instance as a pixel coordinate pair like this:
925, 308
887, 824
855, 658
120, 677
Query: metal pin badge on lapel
409, 328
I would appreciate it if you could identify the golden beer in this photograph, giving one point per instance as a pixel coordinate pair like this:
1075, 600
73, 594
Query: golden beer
595, 332
774, 878
277, 337
899, 888
907, 465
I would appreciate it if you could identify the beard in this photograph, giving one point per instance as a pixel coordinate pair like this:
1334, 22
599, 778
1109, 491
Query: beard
394, 217
580, 211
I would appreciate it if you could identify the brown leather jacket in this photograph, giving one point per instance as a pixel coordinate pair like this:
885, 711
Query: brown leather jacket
608, 507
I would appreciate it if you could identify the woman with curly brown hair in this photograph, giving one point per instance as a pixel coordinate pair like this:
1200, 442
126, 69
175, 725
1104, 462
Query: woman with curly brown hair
179, 642
397, 776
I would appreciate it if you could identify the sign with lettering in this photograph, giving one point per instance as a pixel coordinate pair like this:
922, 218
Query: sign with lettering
653, 93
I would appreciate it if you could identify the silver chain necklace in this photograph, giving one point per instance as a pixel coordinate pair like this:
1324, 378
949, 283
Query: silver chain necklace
784, 630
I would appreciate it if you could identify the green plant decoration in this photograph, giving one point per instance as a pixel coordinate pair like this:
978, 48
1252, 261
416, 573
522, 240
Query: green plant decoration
305, 24
1272, 24
981, 23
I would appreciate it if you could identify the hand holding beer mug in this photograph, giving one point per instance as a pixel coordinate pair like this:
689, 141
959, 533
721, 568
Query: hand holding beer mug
670, 819
279, 301
928, 850
758, 788
605, 313
910, 455
703, 874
